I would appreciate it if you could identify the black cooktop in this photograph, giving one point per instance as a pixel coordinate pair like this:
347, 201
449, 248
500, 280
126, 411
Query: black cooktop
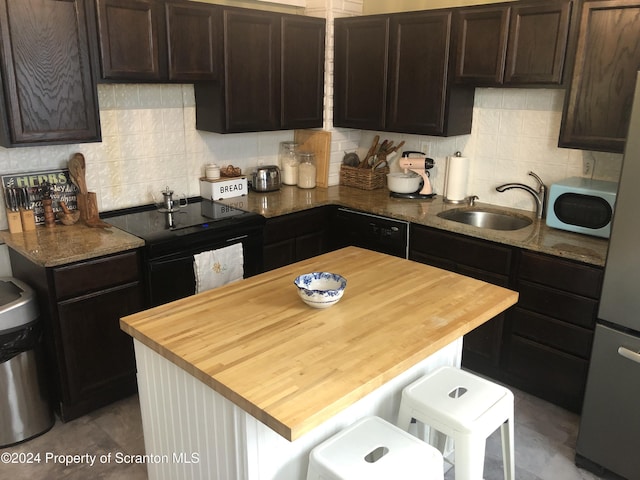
199, 215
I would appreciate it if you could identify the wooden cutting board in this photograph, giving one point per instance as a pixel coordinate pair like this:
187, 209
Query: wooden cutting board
318, 142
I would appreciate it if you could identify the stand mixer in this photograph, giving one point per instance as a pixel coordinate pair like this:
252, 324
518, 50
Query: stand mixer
418, 163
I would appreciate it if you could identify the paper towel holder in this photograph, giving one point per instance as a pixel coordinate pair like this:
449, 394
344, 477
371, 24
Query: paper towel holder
469, 200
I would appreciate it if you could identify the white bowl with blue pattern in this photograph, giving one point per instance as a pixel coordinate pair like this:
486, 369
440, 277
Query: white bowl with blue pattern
320, 289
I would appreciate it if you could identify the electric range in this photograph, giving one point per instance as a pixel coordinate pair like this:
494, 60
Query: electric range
172, 238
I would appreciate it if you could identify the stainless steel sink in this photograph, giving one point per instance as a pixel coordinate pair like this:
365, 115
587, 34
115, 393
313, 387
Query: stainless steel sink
484, 218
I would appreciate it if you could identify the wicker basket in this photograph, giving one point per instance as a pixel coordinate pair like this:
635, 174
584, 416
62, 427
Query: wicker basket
363, 178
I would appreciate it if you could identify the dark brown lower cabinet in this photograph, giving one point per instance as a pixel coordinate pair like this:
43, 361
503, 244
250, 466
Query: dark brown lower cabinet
475, 258
548, 335
542, 345
296, 236
90, 360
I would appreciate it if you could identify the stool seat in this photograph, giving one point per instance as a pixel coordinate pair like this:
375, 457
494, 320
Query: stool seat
466, 408
374, 449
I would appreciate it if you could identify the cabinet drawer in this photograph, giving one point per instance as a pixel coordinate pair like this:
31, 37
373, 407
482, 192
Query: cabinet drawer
569, 276
560, 305
478, 254
548, 331
548, 373
295, 224
80, 278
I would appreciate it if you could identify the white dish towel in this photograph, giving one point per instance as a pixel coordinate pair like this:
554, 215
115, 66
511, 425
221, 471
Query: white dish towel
218, 267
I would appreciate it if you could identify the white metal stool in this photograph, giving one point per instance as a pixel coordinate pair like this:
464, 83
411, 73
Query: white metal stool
466, 408
374, 449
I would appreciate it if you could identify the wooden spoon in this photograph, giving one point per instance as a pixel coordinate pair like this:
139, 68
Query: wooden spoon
365, 161
77, 170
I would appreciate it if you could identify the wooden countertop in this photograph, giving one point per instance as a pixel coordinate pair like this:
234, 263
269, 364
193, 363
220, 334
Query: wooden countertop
293, 367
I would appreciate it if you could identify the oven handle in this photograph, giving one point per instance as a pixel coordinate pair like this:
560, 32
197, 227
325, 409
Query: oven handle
236, 239
178, 257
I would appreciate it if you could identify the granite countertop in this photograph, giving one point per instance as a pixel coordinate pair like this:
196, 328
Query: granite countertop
63, 244
60, 245
537, 237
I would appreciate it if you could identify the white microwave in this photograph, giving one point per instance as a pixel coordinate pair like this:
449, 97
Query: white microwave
582, 205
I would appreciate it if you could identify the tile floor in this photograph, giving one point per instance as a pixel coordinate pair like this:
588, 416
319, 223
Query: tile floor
545, 440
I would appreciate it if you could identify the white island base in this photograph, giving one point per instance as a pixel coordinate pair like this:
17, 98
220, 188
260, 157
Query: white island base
192, 432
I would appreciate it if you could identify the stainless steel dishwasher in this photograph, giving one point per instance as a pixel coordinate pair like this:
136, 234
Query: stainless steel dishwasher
373, 232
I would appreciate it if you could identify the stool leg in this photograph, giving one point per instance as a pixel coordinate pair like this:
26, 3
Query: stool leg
469, 457
438, 440
404, 418
508, 456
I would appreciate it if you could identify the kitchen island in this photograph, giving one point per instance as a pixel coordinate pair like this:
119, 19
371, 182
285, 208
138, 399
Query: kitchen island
243, 380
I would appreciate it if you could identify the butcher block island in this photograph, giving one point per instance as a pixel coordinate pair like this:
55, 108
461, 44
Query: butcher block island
245, 379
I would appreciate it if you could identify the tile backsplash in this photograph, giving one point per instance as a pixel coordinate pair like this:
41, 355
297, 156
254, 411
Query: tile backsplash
149, 141
514, 131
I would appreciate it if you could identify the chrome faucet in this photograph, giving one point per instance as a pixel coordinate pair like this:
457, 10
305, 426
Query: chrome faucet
539, 195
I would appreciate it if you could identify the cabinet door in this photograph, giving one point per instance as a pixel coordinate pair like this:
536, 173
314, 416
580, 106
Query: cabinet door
302, 85
481, 45
538, 35
47, 76
99, 358
193, 40
132, 44
360, 77
419, 55
252, 70
598, 104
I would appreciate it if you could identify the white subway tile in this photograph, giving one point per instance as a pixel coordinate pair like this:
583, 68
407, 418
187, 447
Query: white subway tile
513, 99
126, 96
150, 96
128, 122
172, 96
106, 97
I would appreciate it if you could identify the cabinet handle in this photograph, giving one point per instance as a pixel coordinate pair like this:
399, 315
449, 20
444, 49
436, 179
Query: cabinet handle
630, 354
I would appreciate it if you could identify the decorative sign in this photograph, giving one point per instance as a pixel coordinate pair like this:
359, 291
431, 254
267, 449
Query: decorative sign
27, 186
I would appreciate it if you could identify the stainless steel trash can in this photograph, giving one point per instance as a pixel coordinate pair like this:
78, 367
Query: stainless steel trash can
25, 411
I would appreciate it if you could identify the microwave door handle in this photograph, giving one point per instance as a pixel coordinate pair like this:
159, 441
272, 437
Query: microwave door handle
629, 354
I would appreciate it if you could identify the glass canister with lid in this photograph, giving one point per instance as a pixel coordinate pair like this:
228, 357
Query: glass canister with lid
288, 160
307, 170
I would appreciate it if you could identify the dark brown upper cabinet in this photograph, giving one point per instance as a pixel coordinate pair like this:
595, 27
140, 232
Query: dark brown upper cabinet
273, 74
131, 37
607, 59
158, 40
392, 74
302, 78
192, 41
360, 72
481, 46
518, 44
48, 85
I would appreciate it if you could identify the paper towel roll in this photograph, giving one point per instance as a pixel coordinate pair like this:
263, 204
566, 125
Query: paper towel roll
456, 177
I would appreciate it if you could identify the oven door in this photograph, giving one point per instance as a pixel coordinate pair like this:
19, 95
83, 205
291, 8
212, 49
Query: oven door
172, 276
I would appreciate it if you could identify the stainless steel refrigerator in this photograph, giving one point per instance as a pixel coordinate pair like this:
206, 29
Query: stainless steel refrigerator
609, 436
